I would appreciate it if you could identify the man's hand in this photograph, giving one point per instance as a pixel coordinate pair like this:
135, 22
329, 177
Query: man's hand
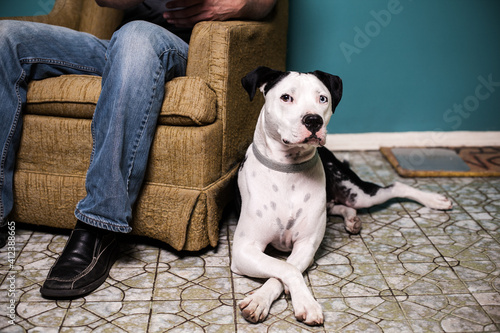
194, 11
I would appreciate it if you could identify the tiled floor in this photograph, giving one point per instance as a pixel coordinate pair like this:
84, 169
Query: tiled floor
410, 270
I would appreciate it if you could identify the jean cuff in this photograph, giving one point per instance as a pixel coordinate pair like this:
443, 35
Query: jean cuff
98, 222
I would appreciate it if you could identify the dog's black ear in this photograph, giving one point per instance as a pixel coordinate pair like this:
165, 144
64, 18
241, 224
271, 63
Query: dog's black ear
334, 85
259, 77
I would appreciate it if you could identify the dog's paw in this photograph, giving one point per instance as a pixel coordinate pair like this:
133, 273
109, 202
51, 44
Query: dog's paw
437, 201
353, 225
255, 308
308, 311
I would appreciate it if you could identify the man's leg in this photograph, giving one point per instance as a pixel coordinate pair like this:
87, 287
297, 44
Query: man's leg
33, 51
141, 58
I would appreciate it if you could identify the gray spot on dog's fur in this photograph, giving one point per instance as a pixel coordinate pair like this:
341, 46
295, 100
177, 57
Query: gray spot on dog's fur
280, 225
307, 197
273, 205
259, 213
291, 221
275, 188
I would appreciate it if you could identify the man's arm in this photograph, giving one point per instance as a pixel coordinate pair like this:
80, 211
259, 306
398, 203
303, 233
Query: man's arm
119, 4
194, 11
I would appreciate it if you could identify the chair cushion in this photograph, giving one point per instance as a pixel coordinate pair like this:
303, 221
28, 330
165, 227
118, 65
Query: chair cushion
188, 100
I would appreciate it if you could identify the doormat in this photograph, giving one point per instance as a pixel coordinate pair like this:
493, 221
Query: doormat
444, 162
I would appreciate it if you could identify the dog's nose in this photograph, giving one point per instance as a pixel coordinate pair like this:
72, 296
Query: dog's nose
313, 122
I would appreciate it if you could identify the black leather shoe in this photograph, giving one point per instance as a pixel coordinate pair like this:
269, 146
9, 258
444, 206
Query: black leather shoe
83, 265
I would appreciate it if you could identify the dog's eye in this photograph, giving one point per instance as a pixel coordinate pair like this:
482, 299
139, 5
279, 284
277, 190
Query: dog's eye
323, 99
286, 98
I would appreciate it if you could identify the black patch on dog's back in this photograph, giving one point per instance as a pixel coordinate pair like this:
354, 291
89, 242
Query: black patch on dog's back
337, 172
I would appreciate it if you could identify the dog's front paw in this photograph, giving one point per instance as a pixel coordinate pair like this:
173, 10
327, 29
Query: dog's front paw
255, 307
308, 311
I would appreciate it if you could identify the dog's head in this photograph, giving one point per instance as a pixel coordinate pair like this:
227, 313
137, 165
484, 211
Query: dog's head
298, 105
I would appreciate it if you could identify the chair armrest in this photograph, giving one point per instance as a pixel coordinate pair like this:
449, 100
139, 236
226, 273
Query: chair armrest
221, 53
217, 49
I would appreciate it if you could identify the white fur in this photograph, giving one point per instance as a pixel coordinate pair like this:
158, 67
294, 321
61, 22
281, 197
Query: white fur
286, 210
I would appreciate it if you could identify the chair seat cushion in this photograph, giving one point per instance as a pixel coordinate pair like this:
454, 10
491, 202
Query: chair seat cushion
188, 100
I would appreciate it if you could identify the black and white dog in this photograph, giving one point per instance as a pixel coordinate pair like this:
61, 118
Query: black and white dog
282, 187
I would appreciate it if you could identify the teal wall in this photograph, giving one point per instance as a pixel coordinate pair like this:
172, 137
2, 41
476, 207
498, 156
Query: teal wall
407, 65
25, 7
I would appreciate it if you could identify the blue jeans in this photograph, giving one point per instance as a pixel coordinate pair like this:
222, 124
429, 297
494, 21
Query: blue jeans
134, 65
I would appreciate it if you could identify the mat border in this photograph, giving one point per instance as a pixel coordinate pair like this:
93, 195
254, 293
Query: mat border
387, 152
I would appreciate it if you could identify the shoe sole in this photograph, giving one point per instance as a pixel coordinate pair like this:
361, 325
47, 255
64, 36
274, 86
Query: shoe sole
77, 293
73, 293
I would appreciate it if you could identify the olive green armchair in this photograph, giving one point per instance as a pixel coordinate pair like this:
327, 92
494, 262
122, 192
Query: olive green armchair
205, 126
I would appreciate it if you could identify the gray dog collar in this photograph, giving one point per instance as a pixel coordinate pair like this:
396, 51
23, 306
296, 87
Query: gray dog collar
283, 167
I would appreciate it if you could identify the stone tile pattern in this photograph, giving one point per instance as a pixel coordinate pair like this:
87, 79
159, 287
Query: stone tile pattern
410, 270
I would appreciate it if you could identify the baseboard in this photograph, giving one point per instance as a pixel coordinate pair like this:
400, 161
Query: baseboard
373, 141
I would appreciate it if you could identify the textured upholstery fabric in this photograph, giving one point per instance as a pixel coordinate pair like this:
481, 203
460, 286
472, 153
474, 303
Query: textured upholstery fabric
76, 96
205, 126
